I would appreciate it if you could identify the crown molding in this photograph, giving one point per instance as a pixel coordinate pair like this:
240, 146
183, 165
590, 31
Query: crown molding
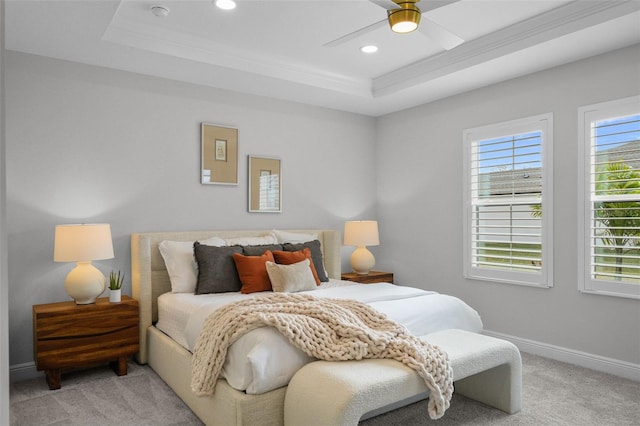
136, 34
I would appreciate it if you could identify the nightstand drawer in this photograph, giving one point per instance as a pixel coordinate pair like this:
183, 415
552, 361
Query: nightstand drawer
80, 322
72, 352
371, 278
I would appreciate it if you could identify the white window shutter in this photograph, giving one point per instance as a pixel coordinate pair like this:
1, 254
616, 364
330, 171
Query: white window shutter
507, 189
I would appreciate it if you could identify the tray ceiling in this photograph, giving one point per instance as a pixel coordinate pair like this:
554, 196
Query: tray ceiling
278, 48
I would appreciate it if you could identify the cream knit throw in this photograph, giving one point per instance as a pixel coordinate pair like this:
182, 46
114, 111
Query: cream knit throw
327, 329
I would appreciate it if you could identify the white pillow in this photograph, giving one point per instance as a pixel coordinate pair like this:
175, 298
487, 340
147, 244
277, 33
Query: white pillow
252, 241
294, 237
291, 278
181, 263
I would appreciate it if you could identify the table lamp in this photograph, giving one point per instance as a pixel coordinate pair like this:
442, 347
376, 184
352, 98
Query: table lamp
82, 244
361, 233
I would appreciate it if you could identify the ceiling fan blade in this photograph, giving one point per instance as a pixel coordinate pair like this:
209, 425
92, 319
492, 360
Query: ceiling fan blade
434, 31
439, 34
426, 6
386, 4
351, 36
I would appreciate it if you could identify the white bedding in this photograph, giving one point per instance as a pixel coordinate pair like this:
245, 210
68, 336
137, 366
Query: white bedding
263, 359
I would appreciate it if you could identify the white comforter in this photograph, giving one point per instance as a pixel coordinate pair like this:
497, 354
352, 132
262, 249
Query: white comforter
263, 359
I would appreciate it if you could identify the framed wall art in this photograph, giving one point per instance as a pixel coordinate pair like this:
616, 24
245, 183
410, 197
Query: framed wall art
219, 155
265, 185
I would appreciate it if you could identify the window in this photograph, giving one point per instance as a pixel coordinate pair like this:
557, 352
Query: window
507, 189
609, 197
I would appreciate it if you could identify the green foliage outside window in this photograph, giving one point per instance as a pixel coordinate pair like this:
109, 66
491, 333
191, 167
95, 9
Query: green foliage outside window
619, 220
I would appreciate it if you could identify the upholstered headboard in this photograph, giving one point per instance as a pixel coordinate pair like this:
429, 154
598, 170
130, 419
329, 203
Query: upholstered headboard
149, 277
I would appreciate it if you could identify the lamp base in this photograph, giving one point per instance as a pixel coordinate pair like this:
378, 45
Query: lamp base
85, 283
362, 261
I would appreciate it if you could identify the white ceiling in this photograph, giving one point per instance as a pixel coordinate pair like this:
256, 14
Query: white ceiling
277, 48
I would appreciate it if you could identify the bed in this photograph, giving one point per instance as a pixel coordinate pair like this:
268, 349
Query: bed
171, 359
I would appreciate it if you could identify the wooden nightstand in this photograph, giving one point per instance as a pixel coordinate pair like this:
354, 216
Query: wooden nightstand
66, 335
370, 278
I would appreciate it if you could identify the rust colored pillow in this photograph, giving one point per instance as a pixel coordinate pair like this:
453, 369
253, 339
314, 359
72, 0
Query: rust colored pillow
291, 257
252, 271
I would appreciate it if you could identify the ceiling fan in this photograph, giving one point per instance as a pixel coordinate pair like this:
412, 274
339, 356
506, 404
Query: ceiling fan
404, 16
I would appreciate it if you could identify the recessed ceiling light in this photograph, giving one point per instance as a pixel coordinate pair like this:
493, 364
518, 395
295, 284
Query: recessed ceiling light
370, 48
225, 4
161, 11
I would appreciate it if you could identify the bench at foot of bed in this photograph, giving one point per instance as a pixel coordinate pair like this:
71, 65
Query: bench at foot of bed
485, 369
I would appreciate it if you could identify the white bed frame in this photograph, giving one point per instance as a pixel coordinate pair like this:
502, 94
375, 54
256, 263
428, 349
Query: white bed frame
172, 362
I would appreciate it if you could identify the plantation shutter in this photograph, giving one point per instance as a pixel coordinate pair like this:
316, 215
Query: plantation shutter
507, 180
615, 199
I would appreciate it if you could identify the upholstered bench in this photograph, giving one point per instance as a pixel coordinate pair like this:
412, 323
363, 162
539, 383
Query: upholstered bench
325, 393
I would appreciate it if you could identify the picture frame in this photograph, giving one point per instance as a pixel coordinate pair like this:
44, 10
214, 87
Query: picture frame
265, 184
219, 155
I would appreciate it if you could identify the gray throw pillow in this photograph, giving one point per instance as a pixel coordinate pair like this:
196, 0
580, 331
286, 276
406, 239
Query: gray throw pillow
217, 271
316, 256
259, 250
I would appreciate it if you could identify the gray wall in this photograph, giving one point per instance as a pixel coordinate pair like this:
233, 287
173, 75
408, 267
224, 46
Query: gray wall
88, 144
419, 156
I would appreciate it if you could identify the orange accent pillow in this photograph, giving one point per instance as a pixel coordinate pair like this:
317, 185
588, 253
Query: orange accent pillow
252, 271
291, 257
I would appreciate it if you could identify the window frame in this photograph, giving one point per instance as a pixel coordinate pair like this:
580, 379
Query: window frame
586, 116
544, 124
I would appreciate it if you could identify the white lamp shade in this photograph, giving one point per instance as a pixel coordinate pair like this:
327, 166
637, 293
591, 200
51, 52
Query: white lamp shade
361, 233
79, 243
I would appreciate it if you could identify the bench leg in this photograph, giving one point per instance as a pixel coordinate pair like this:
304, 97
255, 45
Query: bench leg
499, 387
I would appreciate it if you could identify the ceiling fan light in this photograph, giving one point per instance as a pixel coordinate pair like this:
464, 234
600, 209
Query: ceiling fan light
404, 20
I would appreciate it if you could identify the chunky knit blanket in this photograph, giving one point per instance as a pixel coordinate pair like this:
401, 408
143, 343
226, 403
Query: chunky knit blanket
327, 329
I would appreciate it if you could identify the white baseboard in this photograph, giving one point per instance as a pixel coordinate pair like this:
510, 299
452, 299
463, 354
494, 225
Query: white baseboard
625, 369
24, 371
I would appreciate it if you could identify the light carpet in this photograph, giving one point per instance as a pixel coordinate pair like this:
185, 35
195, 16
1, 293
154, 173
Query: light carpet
554, 394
